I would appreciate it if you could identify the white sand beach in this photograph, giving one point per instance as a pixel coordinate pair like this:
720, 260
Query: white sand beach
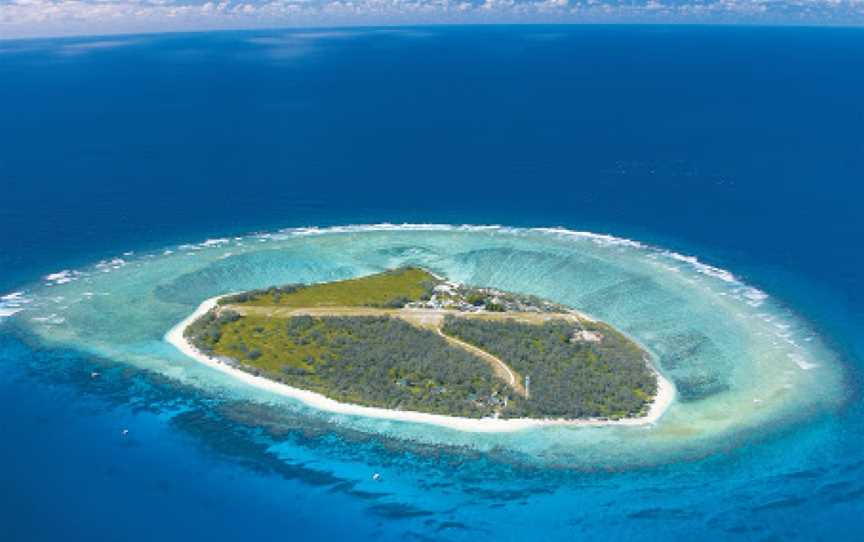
664, 398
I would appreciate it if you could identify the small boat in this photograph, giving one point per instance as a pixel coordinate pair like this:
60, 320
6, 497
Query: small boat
124, 432
376, 477
95, 374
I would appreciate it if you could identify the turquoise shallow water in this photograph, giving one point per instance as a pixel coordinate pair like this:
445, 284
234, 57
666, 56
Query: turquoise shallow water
742, 364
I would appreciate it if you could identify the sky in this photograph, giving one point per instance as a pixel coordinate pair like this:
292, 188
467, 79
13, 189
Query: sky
39, 18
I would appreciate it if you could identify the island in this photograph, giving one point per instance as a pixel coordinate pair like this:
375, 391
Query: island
408, 344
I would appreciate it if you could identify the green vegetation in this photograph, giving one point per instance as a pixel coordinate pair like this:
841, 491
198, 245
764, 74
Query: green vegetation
389, 354
388, 289
604, 375
369, 360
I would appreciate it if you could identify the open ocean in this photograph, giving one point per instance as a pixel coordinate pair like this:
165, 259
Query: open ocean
741, 146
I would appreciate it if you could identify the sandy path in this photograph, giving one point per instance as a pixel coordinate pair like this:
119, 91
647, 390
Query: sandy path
500, 368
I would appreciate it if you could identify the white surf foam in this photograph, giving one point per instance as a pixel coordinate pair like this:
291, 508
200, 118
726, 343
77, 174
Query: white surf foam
802, 363
14, 297
598, 238
113, 263
52, 319
62, 277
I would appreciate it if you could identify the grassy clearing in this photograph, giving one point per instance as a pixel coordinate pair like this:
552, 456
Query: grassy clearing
388, 289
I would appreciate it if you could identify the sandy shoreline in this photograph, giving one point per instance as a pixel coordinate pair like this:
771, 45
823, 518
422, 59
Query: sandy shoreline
665, 395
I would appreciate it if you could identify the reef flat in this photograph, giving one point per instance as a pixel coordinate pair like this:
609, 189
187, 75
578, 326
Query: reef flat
741, 363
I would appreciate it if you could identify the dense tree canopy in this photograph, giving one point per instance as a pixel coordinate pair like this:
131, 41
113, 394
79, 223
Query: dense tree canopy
570, 377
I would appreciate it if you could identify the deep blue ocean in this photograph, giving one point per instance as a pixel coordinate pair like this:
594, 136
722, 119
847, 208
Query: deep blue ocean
742, 145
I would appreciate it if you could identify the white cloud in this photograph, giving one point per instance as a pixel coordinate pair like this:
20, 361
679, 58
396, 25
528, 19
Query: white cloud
20, 18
